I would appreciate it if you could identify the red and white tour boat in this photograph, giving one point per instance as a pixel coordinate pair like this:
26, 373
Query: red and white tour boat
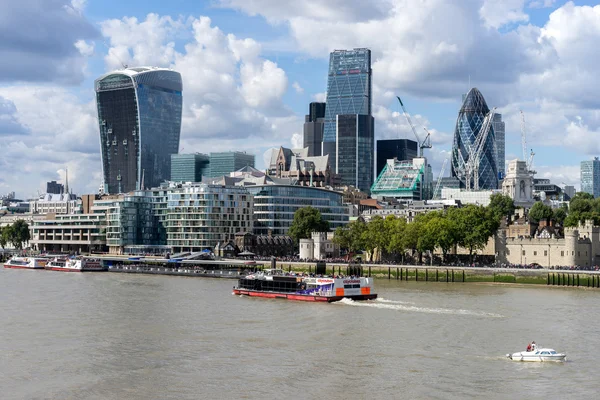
275, 283
26, 262
75, 265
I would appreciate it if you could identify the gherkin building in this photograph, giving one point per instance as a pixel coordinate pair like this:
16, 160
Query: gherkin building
468, 126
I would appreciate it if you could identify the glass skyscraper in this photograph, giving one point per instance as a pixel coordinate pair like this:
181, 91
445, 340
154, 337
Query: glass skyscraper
139, 113
354, 150
349, 87
590, 177
468, 126
500, 133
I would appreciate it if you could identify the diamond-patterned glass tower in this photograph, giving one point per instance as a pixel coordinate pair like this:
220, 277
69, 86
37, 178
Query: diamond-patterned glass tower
349, 89
468, 126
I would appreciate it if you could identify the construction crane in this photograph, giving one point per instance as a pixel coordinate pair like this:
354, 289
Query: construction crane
527, 158
436, 191
476, 150
425, 144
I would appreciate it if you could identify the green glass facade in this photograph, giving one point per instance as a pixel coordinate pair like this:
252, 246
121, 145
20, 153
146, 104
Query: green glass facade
224, 163
188, 167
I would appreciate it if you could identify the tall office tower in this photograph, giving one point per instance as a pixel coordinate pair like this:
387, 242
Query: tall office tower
590, 177
468, 126
223, 163
313, 128
349, 87
53, 187
354, 149
401, 149
500, 133
139, 113
188, 167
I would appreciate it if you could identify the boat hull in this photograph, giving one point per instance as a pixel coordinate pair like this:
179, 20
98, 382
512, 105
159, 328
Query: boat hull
74, 269
301, 297
21, 266
537, 358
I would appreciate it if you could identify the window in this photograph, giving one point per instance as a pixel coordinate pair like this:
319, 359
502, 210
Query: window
535, 253
523, 252
545, 252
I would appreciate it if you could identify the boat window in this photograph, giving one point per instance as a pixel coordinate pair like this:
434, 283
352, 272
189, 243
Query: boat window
545, 352
552, 352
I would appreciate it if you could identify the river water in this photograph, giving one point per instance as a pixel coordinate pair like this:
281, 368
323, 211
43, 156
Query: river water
120, 336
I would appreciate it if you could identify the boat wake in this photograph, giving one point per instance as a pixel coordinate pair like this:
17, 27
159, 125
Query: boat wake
382, 300
401, 306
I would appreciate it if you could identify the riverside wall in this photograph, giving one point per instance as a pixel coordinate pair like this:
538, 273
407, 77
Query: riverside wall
451, 274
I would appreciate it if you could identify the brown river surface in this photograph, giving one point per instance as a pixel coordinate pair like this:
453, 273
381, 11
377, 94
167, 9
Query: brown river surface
118, 336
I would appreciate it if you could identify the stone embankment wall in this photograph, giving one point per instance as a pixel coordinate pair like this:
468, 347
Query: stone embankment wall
458, 274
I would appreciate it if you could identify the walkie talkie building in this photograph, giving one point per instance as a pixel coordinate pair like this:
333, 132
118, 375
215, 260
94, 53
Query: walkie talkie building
139, 114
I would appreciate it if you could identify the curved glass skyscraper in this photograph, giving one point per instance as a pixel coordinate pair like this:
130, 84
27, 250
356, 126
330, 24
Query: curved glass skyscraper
468, 126
139, 113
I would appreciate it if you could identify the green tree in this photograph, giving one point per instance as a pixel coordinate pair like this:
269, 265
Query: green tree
19, 234
307, 220
582, 196
4, 236
540, 211
395, 229
445, 233
501, 205
559, 215
476, 225
374, 236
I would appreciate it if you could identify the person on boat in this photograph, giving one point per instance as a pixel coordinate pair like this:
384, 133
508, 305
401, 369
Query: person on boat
529, 347
533, 346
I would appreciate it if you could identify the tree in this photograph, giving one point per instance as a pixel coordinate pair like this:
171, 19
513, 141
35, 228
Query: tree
396, 228
374, 236
446, 233
582, 196
476, 225
4, 236
501, 205
559, 215
540, 212
307, 220
19, 234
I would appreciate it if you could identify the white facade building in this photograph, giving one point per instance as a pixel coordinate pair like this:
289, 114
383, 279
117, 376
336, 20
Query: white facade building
65, 203
320, 246
518, 184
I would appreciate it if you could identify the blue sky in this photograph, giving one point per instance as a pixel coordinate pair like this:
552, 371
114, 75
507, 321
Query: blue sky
251, 67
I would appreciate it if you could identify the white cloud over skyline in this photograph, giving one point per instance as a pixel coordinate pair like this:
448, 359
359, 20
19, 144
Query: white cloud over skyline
235, 92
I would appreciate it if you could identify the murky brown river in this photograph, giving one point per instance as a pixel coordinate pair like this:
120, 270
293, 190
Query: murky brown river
116, 336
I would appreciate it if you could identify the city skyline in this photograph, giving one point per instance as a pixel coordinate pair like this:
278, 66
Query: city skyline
251, 72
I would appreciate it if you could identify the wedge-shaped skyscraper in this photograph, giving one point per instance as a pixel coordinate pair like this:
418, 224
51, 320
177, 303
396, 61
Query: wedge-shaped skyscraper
468, 127
139, 113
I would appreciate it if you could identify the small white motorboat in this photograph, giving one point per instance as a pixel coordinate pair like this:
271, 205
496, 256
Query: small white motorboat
538, 355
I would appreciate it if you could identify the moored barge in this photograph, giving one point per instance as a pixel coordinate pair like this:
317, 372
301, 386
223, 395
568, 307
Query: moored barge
275, 283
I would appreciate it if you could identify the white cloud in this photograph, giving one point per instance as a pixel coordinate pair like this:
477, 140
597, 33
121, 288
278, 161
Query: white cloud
85, 49
320, 97
496, 14
341, 10
541, 3
297, 141
232, 95
299, 89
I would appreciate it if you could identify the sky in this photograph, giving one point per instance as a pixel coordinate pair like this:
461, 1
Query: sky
251, 67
